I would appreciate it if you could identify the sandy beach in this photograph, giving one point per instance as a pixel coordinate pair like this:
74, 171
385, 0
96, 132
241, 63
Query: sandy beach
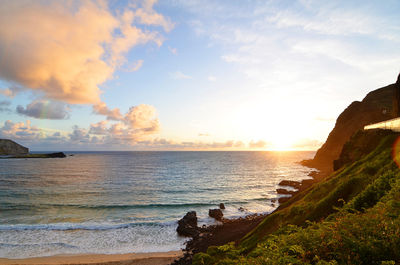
157, 258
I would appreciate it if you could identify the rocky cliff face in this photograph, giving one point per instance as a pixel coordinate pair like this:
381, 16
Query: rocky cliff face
375, 107
361, 144
8, 147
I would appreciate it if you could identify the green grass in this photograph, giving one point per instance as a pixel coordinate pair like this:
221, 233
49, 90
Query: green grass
352, 217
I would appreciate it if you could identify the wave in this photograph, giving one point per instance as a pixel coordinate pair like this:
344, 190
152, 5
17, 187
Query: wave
58, 244
9, 207
80, 226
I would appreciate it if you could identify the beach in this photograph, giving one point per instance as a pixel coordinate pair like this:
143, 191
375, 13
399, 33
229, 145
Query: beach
155, 258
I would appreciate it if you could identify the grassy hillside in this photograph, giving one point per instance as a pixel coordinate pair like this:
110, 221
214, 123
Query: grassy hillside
351, 217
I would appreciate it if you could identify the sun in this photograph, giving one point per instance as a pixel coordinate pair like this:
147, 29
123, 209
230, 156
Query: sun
281, 144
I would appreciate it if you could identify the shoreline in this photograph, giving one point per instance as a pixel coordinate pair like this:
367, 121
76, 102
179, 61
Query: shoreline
232, 230
211, 235
151, 258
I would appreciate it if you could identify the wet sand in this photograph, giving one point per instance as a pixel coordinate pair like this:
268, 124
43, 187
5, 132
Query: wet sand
157, 258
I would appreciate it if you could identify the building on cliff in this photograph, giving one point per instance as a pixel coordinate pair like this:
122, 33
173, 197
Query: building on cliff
392, 124
9, 147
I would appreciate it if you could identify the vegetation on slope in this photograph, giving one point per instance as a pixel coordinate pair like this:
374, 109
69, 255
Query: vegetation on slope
352, 217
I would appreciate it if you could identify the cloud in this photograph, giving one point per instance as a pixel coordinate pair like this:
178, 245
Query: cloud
142, 118
148, 16
99, 128
258, 144
178, 75
136, 125
165, 144
4, 106
135, 66
104, 135
65, 50
79, 135
11, 91
204, 134
19, 130
45, 109
55, 137
307, 144
102, 109
173, 50
239, 144
331, 19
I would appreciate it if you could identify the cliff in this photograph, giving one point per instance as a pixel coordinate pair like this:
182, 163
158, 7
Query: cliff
349, 217
8, 147
375, 107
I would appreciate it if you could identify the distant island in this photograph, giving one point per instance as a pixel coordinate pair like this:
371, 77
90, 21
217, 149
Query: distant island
11, 149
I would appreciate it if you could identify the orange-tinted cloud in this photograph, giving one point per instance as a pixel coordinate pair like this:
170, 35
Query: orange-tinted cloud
258, 144
65, 50
19, 130
307, 144
142, 118
102, 109
138, 123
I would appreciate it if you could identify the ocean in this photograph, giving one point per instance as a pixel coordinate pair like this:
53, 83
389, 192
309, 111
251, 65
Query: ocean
123, 202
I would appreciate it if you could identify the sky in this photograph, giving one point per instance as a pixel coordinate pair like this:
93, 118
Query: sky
189, 75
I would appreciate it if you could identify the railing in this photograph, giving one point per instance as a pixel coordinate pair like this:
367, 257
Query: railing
393, 124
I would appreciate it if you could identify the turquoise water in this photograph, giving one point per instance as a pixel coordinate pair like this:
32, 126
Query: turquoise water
120, 202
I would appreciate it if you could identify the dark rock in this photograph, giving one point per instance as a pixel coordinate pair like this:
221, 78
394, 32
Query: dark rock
58, 154
305, 183
231, 230
242, 209
52, 155
215, 213
290, 183
313, 173
283, 199
187, 226
8, 147
222, 206
285, 191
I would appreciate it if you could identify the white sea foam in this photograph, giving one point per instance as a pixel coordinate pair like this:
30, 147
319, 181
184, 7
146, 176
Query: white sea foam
20, 243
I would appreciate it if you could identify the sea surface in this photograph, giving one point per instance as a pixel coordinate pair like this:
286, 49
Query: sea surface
122, 202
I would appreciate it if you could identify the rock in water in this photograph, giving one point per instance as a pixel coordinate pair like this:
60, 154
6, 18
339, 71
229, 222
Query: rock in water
215, 213
285, 191
187, 226
58, 154
222, 206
